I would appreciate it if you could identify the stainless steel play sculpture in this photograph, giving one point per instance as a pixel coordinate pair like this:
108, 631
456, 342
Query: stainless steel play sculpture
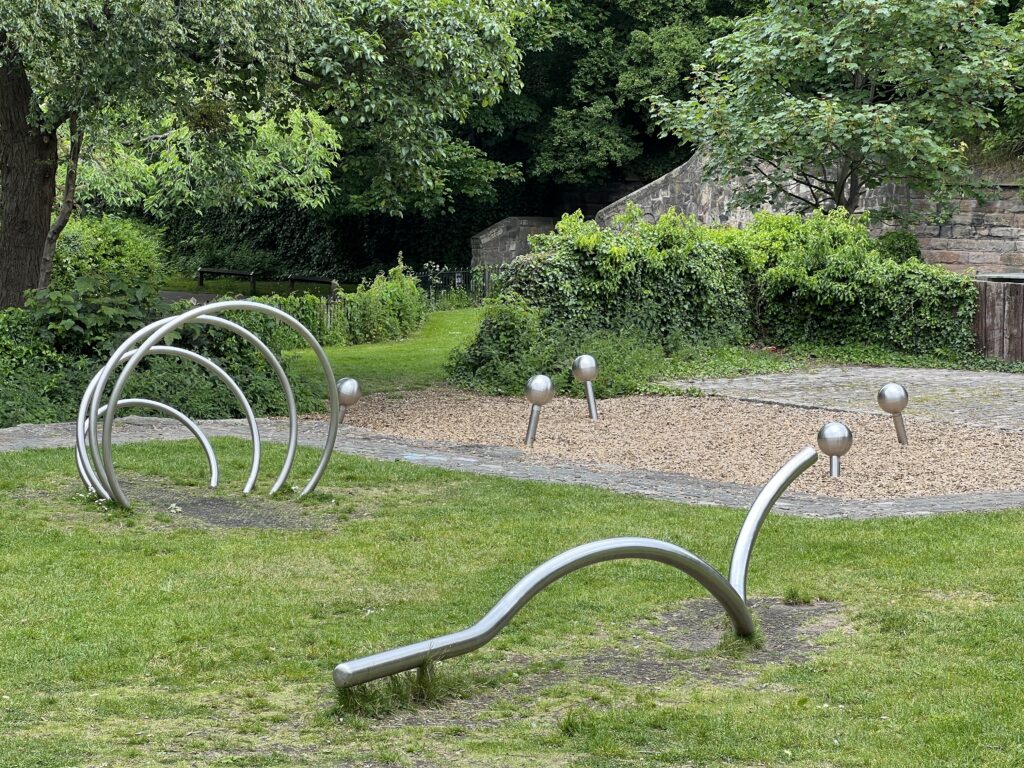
584, 369
539, 391
835, 440
94, 433
349, 393
893, 398
731, 593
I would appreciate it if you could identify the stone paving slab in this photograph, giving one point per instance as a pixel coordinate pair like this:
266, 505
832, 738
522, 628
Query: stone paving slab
977, 398
519, 464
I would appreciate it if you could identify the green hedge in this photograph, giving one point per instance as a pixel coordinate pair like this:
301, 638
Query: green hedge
652, 288
824, 279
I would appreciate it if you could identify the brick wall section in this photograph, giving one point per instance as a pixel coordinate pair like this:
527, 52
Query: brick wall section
502, 242
983, 238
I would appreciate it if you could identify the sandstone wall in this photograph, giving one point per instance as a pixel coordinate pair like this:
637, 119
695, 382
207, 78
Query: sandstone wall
985, 238
502, 242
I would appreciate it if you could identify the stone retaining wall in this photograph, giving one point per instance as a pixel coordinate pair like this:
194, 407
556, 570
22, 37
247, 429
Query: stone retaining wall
985, 237
502, 242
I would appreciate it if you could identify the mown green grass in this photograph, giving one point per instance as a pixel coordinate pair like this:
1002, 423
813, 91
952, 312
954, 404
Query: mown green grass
413, 363
130, 639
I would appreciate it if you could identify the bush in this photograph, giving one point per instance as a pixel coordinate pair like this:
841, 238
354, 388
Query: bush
639, 289
389, 308
511, 346
667, 279
98, 247
832, 285
50, 350
899, 246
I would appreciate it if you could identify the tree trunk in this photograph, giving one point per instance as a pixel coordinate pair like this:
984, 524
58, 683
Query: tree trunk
28, 175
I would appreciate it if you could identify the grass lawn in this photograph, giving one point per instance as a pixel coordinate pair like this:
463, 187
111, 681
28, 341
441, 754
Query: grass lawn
131, 639
413, 363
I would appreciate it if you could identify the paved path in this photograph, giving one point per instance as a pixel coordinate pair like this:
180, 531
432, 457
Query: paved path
516, 463
979, 398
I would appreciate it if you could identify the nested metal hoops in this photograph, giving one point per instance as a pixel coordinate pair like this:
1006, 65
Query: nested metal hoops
94, 431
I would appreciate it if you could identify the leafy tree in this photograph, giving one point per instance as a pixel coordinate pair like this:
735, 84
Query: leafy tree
239, 102
582, 117
817, 100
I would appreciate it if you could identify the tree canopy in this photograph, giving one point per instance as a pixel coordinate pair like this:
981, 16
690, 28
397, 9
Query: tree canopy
241, 101
815, 101
582, 116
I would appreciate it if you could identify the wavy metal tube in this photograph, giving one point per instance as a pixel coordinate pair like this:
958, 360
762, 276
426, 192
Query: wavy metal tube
106, 457
174, 413
759, 510
368, 668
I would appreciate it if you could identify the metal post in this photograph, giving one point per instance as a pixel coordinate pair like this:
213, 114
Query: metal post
591, 402
584, 369
539, 391
901, 428
531, 430
835, 439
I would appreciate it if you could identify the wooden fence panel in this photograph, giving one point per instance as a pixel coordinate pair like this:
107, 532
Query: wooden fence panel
999, 322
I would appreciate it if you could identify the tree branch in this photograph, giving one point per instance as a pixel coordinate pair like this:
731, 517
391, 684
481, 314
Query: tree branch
67, 203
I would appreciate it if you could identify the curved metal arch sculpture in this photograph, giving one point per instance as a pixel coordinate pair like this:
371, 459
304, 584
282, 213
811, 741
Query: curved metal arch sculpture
93, 439
730, 593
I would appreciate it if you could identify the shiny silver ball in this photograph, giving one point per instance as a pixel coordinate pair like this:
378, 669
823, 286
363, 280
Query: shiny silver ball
893, 398
539, 389
584, 368
835, 439
349, 392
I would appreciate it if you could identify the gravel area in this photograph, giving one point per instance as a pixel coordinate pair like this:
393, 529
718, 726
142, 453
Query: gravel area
719, 439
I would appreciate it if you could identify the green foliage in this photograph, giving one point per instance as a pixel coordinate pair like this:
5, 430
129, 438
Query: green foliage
832, 285
630, 293
50, 349
817, 102
669, 279
511, 346
899, 245
389, 308
95, 314
581, 117
106, 245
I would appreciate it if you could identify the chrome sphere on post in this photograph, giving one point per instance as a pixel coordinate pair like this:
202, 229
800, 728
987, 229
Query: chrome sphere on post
349, 393
539, 391
834, 440
893, 399
584, 369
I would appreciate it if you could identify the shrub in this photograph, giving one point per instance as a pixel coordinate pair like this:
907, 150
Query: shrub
95, 314
99, 247
638, 289
389, 308
50, 350
663, 279
899, 245
833, 286
511, 346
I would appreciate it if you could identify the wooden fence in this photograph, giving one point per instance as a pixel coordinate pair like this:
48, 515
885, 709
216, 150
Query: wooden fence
999, 323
